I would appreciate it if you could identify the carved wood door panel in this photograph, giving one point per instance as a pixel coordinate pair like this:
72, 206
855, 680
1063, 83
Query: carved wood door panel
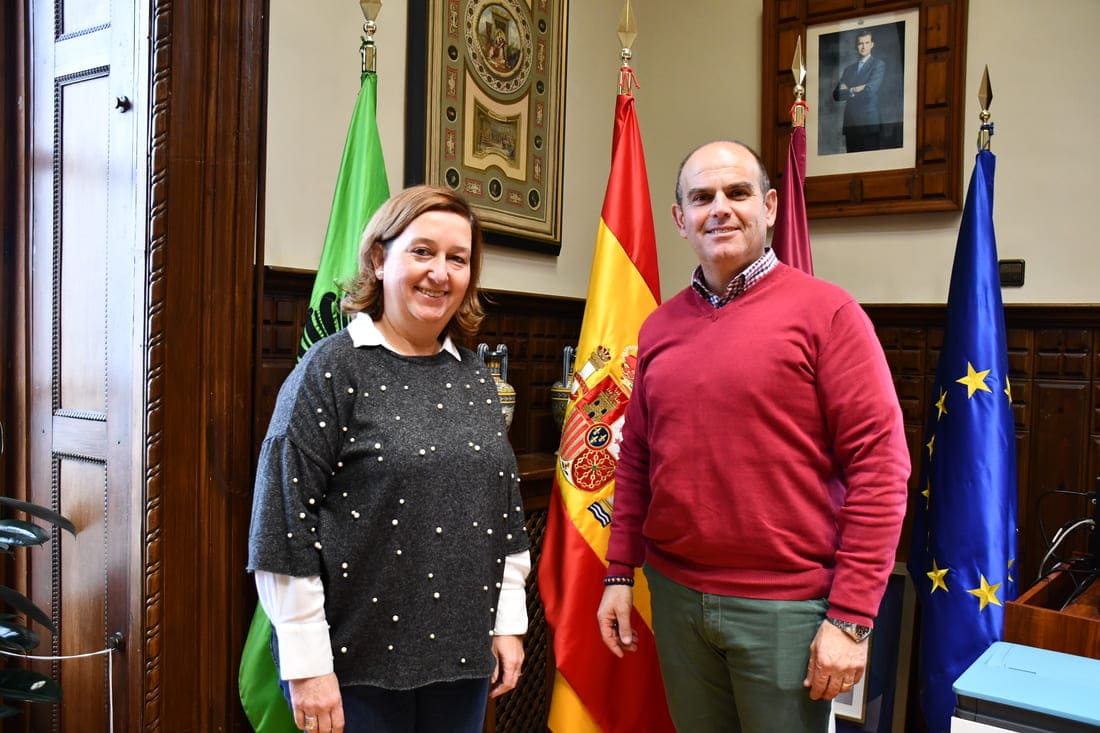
83, 331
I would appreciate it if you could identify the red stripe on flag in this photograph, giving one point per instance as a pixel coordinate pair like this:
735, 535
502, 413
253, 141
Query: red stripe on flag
572, 586
627, 209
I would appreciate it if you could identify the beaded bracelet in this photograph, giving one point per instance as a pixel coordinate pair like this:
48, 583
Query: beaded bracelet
618, 580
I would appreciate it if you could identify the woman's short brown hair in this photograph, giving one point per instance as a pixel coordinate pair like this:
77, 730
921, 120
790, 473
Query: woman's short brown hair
364, 292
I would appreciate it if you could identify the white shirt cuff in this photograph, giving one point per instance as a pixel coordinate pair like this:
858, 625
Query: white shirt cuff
512, 607
296, 607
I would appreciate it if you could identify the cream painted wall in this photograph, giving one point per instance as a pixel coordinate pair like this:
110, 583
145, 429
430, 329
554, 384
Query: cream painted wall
313, 79
700, 80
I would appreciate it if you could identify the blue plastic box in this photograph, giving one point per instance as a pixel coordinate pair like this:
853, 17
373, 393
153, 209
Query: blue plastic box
1022, 688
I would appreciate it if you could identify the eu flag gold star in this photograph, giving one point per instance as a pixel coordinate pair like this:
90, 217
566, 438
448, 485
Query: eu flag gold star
941, 404
937, 575
1008, 390
930, 445
974, 380
986, 594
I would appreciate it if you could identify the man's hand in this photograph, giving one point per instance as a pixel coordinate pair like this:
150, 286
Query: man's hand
614, 619
508, 651
837, 663
317, 705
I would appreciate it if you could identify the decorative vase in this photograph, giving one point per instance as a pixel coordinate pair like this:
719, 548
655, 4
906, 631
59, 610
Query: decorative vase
497, 361
559, 391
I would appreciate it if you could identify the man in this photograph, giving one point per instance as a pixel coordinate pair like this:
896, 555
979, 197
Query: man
762, 472
858, 89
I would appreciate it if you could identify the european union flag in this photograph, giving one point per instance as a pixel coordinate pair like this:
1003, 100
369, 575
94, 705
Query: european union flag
964, 532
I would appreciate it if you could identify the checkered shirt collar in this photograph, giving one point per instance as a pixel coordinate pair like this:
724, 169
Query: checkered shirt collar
737, 284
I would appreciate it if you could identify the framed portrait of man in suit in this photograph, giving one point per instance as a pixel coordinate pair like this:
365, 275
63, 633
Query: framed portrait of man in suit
884, 129
862, 82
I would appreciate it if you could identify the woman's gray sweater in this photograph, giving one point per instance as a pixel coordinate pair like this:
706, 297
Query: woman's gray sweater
392, 479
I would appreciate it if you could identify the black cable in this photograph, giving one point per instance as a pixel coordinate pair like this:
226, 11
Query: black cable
1059, 539
1079, 590
1086, 495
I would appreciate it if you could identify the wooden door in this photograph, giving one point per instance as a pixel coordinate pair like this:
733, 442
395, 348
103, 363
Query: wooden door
83, 331
130, 226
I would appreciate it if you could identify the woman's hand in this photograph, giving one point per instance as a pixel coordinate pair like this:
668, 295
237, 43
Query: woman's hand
318, 707
508, 651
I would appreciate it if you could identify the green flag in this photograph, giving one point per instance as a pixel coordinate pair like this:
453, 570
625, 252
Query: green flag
361, 188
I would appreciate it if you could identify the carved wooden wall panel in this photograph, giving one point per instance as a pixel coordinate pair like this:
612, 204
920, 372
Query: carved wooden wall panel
1054, 368
535, 329
211, 57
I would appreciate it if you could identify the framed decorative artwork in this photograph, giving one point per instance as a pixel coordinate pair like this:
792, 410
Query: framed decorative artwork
878, 703
485, 111
885, 88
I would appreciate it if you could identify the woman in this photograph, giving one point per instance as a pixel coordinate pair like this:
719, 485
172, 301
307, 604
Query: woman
387, 533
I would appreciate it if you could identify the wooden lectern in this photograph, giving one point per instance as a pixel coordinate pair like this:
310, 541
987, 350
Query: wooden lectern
1037, 618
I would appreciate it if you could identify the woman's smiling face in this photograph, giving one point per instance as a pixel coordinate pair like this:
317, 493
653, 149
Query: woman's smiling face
426, 272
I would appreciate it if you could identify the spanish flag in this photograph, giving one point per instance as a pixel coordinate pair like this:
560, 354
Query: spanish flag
593, 689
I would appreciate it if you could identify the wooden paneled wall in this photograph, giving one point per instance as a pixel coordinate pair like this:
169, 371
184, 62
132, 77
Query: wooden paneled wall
1054, 368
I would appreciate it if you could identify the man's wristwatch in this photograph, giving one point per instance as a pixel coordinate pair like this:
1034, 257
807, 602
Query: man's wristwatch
852, 629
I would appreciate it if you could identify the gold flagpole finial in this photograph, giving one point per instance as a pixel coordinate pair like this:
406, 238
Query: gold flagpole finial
798, 71
368, 54
628, 31
985, 99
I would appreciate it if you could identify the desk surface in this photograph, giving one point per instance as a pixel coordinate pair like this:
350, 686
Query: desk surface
535, 466
536, 476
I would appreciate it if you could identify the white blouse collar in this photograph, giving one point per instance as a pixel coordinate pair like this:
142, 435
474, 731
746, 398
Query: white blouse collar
364, 332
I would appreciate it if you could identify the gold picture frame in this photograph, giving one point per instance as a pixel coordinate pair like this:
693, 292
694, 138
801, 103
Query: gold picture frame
931, 50
486, 111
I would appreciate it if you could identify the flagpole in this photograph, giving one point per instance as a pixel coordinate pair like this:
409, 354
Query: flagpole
985, 98
798, 71
627, 32
368, 53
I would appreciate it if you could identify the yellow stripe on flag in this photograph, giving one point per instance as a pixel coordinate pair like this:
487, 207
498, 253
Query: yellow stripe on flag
568, 714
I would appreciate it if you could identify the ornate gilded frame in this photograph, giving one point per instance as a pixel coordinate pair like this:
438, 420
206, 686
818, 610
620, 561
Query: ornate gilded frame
485, 111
